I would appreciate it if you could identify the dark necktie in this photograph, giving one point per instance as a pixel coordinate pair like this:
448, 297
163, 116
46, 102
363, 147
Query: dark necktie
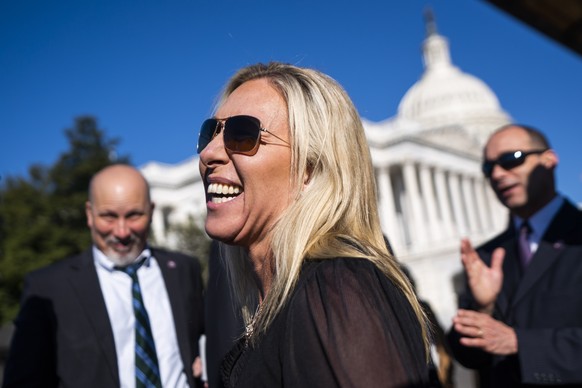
147, 372
525, 253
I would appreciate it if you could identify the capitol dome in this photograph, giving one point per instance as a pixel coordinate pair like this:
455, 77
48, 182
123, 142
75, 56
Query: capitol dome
446, 96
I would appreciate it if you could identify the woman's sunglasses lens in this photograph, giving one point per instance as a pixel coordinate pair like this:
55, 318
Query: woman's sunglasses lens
206, 133
241, 133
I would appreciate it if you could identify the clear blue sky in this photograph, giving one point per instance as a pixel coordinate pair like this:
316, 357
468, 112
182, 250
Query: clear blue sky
150, 70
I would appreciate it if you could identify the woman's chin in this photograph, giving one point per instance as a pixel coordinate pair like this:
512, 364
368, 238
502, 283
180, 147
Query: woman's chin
220, 233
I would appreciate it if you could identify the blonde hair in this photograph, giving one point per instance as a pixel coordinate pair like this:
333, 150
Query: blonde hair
335, 212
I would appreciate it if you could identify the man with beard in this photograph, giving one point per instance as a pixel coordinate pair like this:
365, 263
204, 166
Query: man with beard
120, 314
520, 318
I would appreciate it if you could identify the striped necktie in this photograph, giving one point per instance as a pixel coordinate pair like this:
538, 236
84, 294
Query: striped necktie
147, 372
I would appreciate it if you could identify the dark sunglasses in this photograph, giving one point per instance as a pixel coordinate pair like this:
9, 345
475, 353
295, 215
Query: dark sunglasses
507, 161
242, 134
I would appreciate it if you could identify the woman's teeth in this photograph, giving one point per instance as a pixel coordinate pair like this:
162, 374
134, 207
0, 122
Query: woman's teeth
220, 193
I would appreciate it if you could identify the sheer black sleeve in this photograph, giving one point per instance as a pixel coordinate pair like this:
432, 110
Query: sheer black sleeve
348, 325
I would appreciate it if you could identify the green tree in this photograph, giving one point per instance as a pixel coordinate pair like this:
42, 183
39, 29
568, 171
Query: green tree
42, 217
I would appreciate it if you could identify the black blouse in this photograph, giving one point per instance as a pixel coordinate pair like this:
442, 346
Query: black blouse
345, 325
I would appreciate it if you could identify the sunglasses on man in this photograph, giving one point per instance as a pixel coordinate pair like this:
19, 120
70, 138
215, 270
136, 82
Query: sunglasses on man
507, 161
242, 134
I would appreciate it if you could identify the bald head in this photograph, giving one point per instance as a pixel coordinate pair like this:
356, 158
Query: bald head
119, 177
536, 138
119, 212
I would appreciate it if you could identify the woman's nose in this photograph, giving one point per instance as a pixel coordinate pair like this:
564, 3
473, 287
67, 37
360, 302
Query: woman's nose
214, 152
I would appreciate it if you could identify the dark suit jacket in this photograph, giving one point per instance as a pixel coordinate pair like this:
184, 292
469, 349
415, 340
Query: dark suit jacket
63, 335
543, 305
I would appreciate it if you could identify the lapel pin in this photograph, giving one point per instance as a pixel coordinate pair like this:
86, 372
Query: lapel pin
558, 245
171, 264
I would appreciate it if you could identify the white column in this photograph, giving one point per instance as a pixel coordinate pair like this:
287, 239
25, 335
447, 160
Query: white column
158, 225
469, 200
403, 218
492, 202
444, 204
387, 209
418, 231
482, 206
434, 232
455, 190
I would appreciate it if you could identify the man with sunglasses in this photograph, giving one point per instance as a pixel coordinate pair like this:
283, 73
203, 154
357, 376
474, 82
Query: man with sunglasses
520, 317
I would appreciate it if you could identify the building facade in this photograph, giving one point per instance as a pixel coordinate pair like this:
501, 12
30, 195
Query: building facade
427, 164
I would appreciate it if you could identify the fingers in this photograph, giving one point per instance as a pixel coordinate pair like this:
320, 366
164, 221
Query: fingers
497, 259
472, 264
474, 324
470, 323
472, 342
466, 247
479, 330
467, 317
197, 367
468, 253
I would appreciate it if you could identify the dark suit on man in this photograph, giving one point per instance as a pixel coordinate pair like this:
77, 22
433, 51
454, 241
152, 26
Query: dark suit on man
63, 334
543, 305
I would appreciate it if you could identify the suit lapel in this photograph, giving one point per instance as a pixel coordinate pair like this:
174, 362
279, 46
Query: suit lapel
549, 250
171, 274
85, 283
511, 273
